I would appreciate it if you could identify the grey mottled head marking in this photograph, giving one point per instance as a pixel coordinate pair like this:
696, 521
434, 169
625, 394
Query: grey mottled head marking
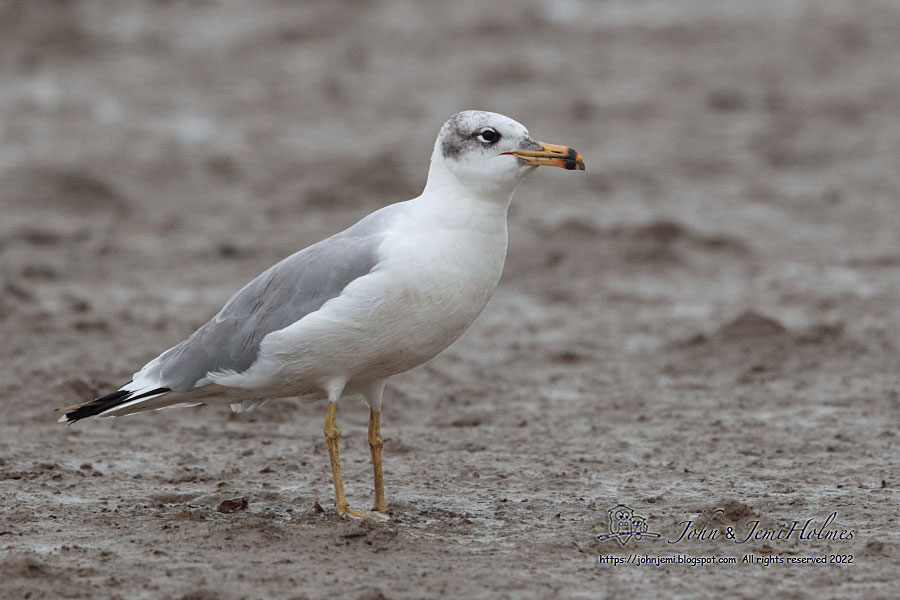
456, 136
459, 133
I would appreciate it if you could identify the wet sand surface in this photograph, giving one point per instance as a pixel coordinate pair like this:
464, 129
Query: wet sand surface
706, 318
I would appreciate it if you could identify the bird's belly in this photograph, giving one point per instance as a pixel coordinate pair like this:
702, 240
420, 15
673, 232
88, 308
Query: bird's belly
412, 325
413, 336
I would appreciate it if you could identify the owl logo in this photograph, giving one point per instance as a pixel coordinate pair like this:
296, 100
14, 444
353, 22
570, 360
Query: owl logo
620, 518
625, 525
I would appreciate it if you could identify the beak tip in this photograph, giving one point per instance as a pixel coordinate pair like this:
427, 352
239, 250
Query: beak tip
573, 160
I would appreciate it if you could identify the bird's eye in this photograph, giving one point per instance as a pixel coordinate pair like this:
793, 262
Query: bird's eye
487, 135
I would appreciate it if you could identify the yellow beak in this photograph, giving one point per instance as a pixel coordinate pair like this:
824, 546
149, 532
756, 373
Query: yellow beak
552, 155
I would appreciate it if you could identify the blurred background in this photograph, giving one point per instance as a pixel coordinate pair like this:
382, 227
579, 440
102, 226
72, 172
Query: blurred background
730, 256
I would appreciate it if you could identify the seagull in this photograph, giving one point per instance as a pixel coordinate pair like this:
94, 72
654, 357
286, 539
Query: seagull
340, 317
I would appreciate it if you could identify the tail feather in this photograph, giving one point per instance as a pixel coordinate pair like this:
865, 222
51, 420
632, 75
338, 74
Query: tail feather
107, 403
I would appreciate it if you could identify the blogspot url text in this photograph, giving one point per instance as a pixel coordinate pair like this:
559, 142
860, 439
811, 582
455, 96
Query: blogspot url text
640, 560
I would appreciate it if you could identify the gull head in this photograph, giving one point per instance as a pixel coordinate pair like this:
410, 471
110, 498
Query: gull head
491, 154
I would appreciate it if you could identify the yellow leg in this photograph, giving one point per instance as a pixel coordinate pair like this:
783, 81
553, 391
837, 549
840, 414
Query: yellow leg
376, 443
332, 433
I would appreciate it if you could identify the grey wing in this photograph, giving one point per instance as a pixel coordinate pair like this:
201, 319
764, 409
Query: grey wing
280, 296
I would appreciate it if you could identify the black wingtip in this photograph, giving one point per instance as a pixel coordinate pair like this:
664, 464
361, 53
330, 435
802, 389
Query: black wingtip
104, 403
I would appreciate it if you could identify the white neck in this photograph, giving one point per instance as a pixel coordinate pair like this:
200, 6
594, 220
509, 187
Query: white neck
447, 199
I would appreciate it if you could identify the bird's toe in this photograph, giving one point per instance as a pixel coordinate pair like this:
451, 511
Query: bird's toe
369, 515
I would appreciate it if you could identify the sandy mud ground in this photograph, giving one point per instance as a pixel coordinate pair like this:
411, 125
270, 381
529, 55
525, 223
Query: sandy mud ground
707, 318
